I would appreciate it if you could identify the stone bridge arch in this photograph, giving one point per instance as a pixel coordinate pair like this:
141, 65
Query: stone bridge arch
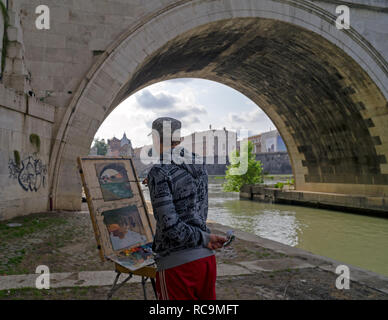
325, 89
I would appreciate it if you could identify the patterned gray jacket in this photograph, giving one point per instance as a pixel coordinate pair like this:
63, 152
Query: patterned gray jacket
179, 197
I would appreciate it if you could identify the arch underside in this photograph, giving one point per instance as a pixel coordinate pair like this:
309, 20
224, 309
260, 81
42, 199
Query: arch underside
323, 103
330, 113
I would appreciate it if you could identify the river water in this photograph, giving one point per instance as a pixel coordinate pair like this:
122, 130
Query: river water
350, 238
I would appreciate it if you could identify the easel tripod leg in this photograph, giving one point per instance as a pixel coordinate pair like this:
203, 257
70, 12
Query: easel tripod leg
112, 289
154, 287
115, 287
143, 282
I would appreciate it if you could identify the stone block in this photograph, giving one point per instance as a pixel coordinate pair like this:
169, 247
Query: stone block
224, 269
17, 82
95, 110
86, 18
37, 126
70, 203
85, 5
46, 68
75, 70
271, 265
102, 95
40, 109
121, 20
82, 139
11, 120
44, 39
374, 202
8, 66
59, 14
384, 168
115, 72
255, 189
99, 44
10, 99
14, 50
10, 209
14, 34
18, 67
326, 198
246, 188
310, 197
258, 197
81, 121
245, 195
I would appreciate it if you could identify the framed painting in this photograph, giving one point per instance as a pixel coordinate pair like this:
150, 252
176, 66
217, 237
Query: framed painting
118, 211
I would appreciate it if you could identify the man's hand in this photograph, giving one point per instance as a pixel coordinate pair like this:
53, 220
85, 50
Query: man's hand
145, 182
216, 242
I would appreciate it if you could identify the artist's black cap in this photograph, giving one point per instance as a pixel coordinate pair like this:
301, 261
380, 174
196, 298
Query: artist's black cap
175, 124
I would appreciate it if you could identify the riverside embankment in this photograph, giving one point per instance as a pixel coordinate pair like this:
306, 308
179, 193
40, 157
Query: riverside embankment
344, 202
251, 268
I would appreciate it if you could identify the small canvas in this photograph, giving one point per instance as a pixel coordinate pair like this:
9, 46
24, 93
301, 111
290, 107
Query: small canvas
118, 211
125, 227
114, 181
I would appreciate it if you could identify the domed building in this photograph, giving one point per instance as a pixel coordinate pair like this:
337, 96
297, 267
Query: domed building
120, 147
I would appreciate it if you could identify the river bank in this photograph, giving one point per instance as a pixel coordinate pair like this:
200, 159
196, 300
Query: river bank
376, 206
358, 240
252, 268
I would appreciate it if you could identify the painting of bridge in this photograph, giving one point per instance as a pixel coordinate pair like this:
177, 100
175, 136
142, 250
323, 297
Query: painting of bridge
113, 181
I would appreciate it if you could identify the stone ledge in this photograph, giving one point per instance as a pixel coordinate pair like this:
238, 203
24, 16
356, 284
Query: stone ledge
275, 264
12, 100
345, 202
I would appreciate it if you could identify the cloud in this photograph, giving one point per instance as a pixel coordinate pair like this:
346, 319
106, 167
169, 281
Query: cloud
163, 104
184, 112
255, 115
147, 100
184, 99
254, 120
181, 80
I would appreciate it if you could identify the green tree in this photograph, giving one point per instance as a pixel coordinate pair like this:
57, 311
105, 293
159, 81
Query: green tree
102, 146
253, 174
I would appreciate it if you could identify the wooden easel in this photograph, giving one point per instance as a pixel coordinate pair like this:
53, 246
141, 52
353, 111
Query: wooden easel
148, 272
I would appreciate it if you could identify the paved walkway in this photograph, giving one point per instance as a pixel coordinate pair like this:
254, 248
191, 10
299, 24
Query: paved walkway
93, 278
365, 277
252, 268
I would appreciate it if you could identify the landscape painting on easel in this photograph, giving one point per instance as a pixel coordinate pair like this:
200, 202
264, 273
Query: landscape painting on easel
113, 181
118, 211
125, 227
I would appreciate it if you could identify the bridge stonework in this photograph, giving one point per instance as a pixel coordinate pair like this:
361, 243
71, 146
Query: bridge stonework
325, 89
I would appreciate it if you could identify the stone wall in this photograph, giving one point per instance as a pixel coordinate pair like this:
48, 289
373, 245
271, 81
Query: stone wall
275, 162
344, 202
215, 169
24, 165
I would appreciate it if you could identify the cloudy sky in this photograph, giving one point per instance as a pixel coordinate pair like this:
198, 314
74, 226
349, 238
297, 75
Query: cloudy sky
197, 103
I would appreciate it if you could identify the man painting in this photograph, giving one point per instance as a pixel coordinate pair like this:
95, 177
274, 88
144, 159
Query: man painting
179, 196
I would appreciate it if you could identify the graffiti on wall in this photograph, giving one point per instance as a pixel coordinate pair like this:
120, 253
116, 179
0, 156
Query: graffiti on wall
30, 173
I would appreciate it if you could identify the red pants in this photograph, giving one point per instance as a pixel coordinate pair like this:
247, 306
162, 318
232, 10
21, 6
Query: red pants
195, 280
